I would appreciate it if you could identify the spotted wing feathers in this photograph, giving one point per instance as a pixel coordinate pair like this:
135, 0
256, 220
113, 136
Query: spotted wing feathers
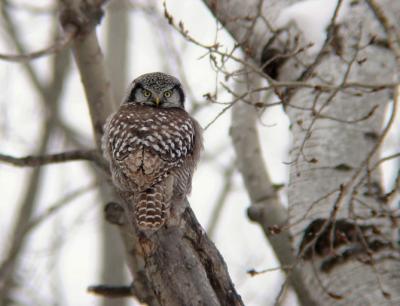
146, 147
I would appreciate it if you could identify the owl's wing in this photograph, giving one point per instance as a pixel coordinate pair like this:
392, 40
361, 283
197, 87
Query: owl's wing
146, 147
183, 174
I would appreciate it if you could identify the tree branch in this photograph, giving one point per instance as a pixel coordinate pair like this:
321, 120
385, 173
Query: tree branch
58, 205
112, 291
59, 45
390, 28
41, 160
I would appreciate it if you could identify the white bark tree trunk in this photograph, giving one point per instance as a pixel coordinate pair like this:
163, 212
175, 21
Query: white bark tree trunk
338, 217
113, 265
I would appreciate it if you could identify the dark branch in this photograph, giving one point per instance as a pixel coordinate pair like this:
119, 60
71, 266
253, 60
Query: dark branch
111, 291
37, 161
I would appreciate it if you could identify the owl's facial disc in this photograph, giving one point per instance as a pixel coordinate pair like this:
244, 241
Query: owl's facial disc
157, 90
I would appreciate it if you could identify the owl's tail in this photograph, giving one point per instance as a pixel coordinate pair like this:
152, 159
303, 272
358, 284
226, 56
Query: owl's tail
152, 207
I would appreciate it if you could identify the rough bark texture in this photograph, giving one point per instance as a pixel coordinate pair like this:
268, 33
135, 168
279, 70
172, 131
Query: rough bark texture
352, 279
177, 265
183, 266
334, 200
193, 272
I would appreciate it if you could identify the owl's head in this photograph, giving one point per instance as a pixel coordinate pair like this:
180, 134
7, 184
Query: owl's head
156, 89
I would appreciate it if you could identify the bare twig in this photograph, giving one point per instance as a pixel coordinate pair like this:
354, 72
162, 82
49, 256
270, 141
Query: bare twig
41, 160
181, 29
111, 291
390, 29
59, 45
254, 272
57, 206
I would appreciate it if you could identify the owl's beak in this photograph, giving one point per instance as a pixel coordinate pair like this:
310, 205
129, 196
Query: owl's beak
157, 101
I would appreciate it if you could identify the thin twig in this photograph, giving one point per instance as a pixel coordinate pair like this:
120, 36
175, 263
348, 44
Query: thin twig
61, 203
41, 160
111, 291
390, 29
59, 45
254, 272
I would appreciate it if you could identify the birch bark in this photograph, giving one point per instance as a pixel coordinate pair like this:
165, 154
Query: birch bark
339, 222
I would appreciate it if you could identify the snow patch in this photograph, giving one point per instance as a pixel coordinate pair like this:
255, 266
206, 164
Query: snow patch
312, 17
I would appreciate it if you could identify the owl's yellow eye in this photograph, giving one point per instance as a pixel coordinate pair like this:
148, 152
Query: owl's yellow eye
167, 94
146, 93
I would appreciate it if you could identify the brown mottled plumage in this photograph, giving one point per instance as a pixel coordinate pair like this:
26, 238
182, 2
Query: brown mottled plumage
153, 146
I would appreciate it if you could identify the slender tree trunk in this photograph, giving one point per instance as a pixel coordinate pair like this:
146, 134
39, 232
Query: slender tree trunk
114, 266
